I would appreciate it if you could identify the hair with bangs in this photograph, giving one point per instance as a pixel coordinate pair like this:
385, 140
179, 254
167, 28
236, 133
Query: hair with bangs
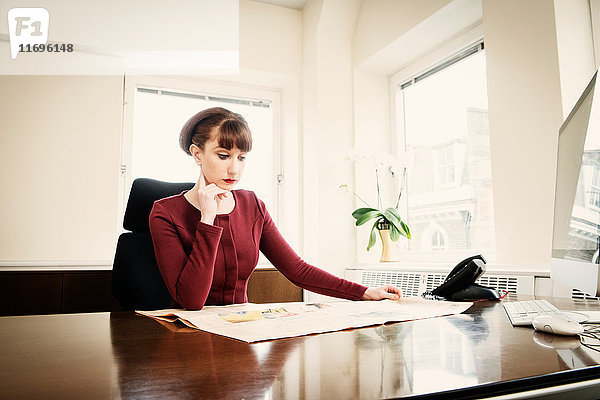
231, 130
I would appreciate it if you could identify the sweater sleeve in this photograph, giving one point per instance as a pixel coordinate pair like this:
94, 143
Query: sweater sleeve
302, 274
187, 277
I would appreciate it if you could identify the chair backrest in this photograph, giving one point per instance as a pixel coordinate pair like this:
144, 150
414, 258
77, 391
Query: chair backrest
136, 280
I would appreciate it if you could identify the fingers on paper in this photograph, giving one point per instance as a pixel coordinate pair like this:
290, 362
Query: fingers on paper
391, 292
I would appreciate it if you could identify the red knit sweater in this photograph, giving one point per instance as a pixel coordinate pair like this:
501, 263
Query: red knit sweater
210, 264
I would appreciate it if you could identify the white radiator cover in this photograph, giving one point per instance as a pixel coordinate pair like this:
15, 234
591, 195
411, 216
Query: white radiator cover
415, 283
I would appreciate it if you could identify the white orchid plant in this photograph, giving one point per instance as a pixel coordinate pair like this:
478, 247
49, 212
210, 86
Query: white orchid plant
388, 218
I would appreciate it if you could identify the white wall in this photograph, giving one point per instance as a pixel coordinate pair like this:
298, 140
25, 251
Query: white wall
525, 112
371, 133
115, 36
382, 22
327, 132
59, 168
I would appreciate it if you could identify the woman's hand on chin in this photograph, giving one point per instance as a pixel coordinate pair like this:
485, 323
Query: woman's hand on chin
209, 197
382, 292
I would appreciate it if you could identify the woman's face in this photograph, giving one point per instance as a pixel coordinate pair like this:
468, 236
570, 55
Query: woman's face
220, 166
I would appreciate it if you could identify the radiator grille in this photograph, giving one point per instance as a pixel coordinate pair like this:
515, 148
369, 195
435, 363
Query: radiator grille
578, 294
408, 282
416, 283
508, 283
433, 281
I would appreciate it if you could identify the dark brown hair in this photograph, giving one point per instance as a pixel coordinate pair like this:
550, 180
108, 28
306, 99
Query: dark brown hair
232, 130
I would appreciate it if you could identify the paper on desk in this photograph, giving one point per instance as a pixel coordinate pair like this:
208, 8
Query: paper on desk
256, 322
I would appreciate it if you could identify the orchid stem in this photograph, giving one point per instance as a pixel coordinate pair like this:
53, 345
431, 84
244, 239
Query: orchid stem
358, 197
401, 187
378, 193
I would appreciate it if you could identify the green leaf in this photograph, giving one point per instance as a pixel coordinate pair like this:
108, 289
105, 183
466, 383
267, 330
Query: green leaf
391, 218
360, 211
394, 212
395, 220
372, 236
363, 218
406, 230
394, 233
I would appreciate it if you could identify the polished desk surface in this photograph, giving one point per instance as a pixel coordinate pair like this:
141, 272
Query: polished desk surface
124, 355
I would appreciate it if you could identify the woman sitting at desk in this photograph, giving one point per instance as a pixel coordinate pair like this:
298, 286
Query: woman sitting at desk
207, 239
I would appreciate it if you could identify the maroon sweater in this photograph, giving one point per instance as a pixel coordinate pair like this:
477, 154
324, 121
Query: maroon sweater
210, 264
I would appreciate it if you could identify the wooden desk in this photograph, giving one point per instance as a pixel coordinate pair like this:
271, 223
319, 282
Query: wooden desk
123, 355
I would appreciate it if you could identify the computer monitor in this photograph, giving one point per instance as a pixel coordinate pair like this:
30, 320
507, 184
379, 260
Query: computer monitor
576, 233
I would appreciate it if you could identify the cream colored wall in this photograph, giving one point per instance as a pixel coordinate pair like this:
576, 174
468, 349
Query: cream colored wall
270, 39
525, 112
382, 22
59, 168
371, 133
114, 34
327, 134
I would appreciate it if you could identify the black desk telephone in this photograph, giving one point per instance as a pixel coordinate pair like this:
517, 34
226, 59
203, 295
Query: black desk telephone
460, 282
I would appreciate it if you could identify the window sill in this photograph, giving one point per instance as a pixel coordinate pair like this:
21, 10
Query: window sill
502, 269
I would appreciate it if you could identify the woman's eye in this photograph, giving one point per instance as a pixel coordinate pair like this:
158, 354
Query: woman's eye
223, 156
242, 158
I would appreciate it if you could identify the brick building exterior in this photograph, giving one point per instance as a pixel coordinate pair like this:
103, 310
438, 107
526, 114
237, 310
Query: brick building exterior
450, 204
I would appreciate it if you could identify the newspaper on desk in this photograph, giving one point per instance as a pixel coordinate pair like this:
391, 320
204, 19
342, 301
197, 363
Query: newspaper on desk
257, 322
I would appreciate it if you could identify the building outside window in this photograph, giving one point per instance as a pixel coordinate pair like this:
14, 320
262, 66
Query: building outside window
591, 159
585, 223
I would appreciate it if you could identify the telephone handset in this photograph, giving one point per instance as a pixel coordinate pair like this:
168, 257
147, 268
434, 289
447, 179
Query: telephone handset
460, 282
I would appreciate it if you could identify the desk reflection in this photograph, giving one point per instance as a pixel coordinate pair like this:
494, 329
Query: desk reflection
432, 355
182, 362
464, 351
386, 361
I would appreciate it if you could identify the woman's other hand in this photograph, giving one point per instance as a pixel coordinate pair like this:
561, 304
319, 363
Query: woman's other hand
382, 292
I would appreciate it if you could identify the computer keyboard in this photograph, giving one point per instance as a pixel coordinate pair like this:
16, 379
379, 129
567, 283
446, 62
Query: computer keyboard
523, 312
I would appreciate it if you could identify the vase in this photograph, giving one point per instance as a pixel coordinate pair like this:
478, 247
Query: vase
389, 250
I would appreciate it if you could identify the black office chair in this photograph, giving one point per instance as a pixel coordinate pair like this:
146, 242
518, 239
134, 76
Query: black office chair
136, 280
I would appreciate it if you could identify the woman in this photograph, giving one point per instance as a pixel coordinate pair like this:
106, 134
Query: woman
207, 239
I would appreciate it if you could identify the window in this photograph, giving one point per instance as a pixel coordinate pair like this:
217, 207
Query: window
445, 166
442, 134
156, 110
437, 241
594, 197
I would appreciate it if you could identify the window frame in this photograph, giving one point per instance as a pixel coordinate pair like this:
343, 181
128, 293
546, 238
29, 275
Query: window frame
204, 87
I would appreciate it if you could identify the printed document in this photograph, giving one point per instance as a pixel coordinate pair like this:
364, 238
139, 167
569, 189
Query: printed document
257, 322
